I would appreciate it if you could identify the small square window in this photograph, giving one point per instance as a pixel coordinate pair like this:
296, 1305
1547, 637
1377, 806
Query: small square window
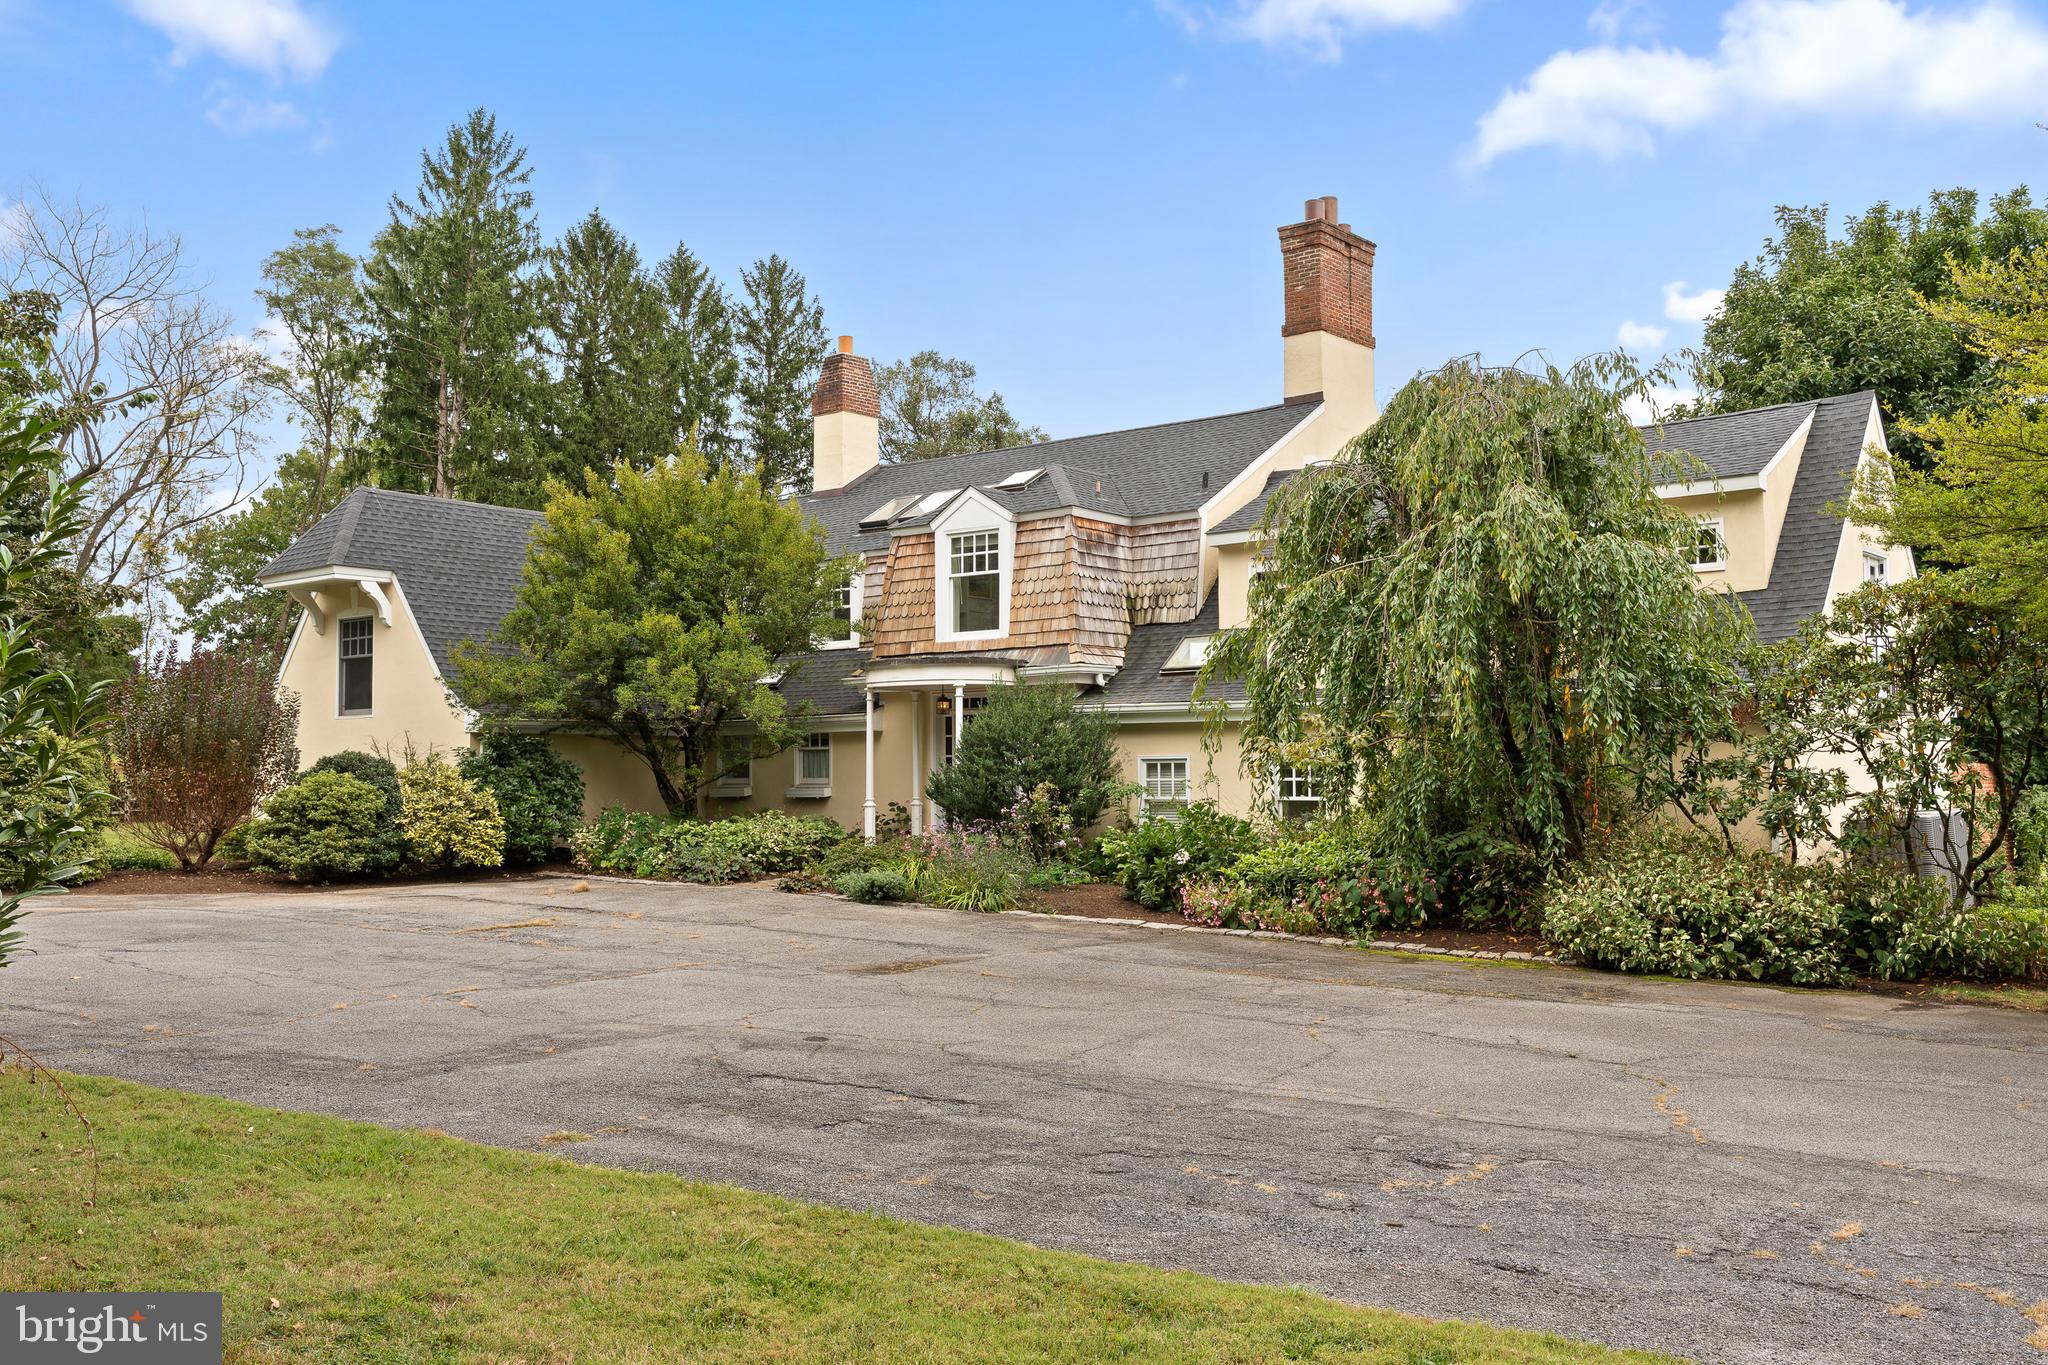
358, 641
1297, 793
1165, 782
1710, 545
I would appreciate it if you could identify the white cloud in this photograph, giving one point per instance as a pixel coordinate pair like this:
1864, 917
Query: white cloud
1318, 27
1779, 59
238, 117
1614, 19
276, 37
1645, 408
1641, 336
1680, 306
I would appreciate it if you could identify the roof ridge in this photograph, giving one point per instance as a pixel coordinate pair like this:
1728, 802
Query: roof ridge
351, 509
437, 498
1742, 412
1306, 408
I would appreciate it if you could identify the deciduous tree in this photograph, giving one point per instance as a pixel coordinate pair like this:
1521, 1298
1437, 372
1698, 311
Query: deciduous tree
654, 606
930, 409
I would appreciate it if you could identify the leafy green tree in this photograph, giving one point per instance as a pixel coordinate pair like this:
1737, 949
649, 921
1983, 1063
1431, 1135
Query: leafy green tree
654, 606
930, 409
602, 332
781, 335
1816, 315
314, 292
200, 742
450, 285
700, 359
1483, 617
216, 589
49, 761
1024, 737
1983, 502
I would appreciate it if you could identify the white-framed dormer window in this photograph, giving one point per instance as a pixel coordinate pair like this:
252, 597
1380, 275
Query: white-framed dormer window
735, 767
357, 641
1710, 544
1294, 788
1165, 784
813, 766
974, 544
1874, 567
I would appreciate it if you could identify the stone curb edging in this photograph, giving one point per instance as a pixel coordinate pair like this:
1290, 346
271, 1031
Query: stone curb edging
1327, 941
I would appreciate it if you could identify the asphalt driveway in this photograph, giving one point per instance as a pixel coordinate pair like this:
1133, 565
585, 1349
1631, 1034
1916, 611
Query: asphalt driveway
1725, 1172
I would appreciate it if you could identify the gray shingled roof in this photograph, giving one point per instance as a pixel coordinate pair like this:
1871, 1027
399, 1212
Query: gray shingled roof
1249, 515
1141, 683
824, 680
459, 563
1144, 471
1812, 535
1732, 445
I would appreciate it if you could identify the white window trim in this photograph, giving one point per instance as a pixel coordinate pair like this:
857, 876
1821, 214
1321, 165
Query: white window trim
362, 614
1719, 526
1280, 796
1882, 563
1145, 797
1190, 654
812, 790
856, 599
740, 784
969, 513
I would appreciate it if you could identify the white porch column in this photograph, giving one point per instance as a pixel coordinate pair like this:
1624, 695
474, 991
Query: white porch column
867, 809
916, 764
959, 716
939, 724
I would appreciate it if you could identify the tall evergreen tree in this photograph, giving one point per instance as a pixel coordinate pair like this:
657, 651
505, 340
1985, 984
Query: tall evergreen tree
782, 344
451, 286
701, 363
602, 320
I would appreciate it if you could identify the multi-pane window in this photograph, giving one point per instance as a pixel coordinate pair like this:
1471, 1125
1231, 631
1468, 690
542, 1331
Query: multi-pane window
1297, 791
1165, 783
1710, 546
814, 761
358, 644
977, 574
735, 766
1873, 567
842, 606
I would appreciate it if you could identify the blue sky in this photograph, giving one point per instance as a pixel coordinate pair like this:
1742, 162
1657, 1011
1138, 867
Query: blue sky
1080, 199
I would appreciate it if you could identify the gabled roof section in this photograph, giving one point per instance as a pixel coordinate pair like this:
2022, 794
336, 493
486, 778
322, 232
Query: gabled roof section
1805, 562
1732, 445
1145, 471
1249, 515
459, 563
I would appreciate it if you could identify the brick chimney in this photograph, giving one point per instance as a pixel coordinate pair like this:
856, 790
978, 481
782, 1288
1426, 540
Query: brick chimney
845, 420
1327, 331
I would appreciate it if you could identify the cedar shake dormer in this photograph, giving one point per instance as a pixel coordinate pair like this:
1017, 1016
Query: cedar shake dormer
1327, 322
846, 416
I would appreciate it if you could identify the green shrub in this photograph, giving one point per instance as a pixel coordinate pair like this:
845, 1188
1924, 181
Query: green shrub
382, 774
1156, 856
539, 793
1285, 868
1683, 905
1049, 876
1903, 928
446, 819
123, 848
323, 826
965, 869
873, 886
858, 855
643, 845
1025, 737
234, 845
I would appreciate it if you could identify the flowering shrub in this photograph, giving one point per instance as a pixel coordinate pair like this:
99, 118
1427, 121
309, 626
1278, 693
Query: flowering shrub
1154, 858
964, 868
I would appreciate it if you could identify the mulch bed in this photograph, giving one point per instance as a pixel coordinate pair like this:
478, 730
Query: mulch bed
210, 881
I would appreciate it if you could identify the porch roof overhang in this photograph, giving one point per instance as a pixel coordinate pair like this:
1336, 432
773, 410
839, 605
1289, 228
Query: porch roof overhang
926, 671
310, 587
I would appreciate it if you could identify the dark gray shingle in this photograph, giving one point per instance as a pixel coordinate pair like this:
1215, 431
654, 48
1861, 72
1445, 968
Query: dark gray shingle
1812, 535
1732, 445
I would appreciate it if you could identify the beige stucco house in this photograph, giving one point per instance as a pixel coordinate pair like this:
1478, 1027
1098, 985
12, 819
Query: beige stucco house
1106, 562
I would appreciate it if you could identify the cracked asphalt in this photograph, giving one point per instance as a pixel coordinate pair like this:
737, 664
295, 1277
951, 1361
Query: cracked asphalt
1723, 1172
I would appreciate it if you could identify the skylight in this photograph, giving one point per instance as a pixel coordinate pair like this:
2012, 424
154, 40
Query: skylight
1018, 480
934, 501
887, 512
1190, 655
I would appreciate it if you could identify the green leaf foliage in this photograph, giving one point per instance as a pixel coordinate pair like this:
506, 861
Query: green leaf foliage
654, 605
637, 844
381, 773
324, 826
1155, 858
1483, 619
447, 820
930, 409
539, 793
780, 330
1025, 737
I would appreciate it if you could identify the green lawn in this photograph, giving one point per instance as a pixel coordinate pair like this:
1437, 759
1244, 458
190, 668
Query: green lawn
407, 1246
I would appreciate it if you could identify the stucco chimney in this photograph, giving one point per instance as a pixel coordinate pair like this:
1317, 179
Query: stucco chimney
845, 420
1327, 328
